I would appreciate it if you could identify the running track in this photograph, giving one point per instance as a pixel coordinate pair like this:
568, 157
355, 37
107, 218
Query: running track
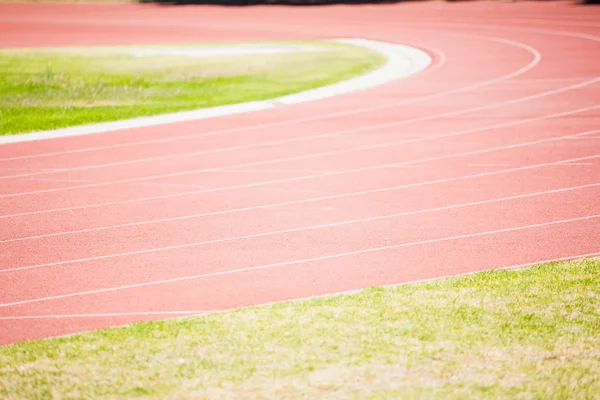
488, 159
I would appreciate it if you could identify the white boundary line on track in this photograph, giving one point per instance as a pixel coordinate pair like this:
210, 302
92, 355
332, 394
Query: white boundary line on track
293, 202
202, 243
541, 21
107, 315
402, 61
295, 262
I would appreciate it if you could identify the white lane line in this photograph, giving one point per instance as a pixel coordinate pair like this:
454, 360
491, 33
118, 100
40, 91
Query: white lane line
578, 35
35, 179
550, 80
278, 171
195, 244
402, 61
495, 165
192, 185
106, 315
292, 208
283, 191
577, 163
415, 165
296, 262
264, 206
536, 60
588, 138
169, 184
555, 22
26, 169
305, 177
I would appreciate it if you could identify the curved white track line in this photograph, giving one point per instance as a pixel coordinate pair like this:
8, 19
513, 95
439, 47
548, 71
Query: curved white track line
578, 35
402, 61
555, 22
108, 315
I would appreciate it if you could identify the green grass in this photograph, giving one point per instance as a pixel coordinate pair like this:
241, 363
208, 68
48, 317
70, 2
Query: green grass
527, 334
53, 88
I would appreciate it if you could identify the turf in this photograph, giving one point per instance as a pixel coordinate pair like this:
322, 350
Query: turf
530, 334
53, 88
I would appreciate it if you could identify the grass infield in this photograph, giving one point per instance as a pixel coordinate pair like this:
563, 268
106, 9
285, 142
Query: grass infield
531, 334
52, 88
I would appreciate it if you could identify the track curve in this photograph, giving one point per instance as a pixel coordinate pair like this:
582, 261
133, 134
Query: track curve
488, 159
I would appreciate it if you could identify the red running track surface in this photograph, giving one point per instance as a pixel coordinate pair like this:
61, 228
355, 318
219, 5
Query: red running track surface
488, 159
